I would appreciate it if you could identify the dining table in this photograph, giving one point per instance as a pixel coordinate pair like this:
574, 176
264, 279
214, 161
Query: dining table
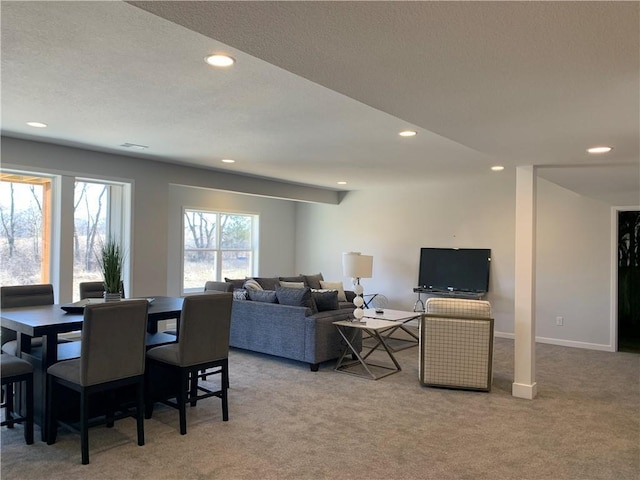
49, 321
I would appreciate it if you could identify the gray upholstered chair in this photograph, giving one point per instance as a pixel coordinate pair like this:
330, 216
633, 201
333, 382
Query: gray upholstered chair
456, 344
23, 296
95, 290
205, 324
209, 287
91, 290
15, 370
218, 287
112, 356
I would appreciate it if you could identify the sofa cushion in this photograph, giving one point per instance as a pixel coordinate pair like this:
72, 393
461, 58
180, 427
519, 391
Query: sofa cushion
292, 284
240, 294
252, 284
266, 296
335, 286
325, 299
313, 281
268, 283
237, 282
296, 297
299, 278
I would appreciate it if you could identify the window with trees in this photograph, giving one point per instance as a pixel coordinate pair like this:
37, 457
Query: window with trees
25, 222
217, 245
32, 243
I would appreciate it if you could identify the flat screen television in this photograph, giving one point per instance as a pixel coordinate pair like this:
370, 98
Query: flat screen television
455, 269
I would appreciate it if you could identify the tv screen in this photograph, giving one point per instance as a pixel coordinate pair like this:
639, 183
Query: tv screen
455, 269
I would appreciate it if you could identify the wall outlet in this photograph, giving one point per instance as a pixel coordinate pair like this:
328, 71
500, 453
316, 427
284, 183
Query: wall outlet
559, 321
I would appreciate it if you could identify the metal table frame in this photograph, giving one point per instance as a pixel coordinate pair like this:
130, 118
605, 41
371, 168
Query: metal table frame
374, 328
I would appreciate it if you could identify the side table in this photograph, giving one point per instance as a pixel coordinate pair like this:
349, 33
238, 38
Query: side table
400, 317
374, 328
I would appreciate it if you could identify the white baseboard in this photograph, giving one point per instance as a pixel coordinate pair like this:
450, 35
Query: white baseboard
563, 343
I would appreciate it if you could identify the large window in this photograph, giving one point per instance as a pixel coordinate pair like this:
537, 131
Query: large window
25, 220
217, 245
36, 233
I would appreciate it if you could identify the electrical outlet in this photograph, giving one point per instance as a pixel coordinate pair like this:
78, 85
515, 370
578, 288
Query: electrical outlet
559, 321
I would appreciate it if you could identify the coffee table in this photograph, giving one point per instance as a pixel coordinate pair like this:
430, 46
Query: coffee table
402, 317
374, 328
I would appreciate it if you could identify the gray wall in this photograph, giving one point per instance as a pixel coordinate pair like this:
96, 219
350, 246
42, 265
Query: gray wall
574, 249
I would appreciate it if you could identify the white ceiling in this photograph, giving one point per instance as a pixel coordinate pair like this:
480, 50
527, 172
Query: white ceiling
321, 89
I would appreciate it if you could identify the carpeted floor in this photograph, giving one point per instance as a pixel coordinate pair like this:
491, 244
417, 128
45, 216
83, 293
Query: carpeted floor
289, 423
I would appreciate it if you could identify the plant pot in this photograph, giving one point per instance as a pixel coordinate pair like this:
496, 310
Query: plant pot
112, 297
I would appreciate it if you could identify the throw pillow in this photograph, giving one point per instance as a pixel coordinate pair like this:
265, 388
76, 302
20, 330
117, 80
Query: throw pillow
313, 281
326, 300
299, 278
292, 284
237, 282
296, 297
342, 297
240, 294
252, 284
266, 296
267, 283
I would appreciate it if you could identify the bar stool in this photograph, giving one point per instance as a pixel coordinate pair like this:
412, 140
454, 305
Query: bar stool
16, 370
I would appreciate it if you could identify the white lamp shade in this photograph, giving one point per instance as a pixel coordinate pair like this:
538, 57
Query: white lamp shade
356, 265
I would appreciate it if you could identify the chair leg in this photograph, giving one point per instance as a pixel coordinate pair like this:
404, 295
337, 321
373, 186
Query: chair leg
52, 412
182, 400
84, 426
9, 404
148, 403
110, 410
193, 387
28, 423
224, 385
140, 413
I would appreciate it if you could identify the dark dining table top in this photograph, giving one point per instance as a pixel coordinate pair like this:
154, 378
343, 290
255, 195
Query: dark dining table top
52, 319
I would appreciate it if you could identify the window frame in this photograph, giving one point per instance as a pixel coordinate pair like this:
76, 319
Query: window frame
253, 248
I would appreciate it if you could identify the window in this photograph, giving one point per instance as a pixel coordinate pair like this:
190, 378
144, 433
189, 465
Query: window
35, 240
25, 221
217, 245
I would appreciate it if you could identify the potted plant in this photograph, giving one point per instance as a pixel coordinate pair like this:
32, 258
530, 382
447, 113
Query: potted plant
111, 261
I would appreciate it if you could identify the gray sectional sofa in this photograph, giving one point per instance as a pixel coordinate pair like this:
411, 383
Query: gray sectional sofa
299, 333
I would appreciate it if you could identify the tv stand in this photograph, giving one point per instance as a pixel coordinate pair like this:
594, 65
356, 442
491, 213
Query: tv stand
419, 305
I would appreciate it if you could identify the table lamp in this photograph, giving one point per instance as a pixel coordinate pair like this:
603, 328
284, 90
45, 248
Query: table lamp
357, 266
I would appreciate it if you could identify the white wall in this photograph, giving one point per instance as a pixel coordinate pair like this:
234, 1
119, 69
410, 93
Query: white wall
573, 252
573, 268
393, 224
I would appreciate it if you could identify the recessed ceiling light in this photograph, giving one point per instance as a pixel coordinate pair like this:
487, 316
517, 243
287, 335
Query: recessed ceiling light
342, 182
219, 60
497, 168
601, 149
37, 124
228, 160
408, 133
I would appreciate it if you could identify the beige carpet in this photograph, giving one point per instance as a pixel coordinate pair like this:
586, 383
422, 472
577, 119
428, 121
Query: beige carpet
287, 422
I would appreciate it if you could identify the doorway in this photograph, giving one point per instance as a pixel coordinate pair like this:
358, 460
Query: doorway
629, 281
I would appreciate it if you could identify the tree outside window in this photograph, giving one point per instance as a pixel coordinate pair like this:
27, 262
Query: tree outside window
216, 245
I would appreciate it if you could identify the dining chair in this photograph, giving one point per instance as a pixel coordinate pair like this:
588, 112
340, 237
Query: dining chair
112, 356
95, 290
15, 370
203, 344
23, 296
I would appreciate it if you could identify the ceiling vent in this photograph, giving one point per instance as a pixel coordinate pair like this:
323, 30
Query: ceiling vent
134, 146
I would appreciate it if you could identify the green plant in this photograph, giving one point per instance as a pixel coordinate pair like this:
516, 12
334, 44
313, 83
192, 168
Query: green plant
111, 261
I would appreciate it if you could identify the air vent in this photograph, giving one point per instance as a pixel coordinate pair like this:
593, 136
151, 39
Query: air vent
134, 146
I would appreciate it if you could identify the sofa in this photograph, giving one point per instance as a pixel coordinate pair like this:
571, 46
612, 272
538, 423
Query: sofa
268, 319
